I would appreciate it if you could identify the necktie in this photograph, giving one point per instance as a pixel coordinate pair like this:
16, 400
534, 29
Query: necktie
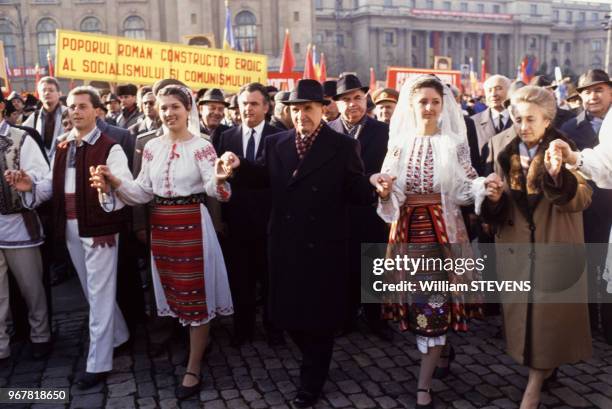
250, 150
501, 123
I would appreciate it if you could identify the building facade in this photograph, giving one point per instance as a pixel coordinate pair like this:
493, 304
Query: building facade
358, 34
354, 34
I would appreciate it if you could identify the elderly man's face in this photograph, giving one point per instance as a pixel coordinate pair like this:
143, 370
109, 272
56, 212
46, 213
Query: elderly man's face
306, 117
496, 93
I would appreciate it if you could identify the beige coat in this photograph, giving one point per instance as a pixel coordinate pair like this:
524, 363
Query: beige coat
542, 334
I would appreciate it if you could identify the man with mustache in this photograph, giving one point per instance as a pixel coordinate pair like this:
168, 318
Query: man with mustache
212, 110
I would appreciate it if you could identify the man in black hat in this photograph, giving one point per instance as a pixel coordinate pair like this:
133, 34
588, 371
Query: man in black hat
247, 215
595, 89
113, 106
282, 117
314, 174
562, 115
330, 111
129, 109
212, 110
366, 225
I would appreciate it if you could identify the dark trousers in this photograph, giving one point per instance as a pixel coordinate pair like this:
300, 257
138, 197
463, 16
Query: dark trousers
247, 264
317, 349
130, 294
371, 312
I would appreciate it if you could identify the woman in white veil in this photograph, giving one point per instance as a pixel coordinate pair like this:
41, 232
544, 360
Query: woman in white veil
428, 154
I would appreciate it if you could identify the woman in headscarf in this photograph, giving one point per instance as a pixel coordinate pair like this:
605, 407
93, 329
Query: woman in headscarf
189, 274
429, 157
533, 199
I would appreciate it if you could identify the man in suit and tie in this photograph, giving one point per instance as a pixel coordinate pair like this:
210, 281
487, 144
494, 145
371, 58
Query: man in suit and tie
314, 174
150, 120
495, 118
246, 215
212, 110
130, 114
595, 89
366, 226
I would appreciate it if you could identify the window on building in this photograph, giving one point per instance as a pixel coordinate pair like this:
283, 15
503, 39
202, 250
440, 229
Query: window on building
464, 7
595, 16
389, 38
194, 18
466, 42
340, 40
554, 63
556, 16
568, 47
597, 64
134, 27
533, 10
338, 5
45, 36
596, 45
429, 5
554, 47
567, 62
388, 3
413, 4
447, 5
582, 17
319, 4
496, 8
7, 36
480, 8
297, 48
414, 41
569, 17
449, 42
355, 4
245, 30
296, 16
533, 42
91, 25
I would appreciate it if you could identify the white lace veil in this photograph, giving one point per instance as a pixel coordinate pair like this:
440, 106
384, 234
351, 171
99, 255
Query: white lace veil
452, 176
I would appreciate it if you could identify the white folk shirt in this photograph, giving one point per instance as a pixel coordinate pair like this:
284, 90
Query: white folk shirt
13, 232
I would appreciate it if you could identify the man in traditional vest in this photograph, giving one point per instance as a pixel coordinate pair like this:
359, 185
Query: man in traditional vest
90, 231
21, 235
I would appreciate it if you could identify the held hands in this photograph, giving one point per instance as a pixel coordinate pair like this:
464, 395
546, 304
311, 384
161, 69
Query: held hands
553, 160
19, 180
495, 187
383, 184
225, 165
562, 148
102, 179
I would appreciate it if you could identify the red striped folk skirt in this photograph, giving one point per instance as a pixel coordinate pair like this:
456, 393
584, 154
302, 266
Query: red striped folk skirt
177, 247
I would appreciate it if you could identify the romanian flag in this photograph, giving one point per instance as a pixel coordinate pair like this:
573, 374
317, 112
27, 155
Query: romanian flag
309, 69
529, 66
228, 33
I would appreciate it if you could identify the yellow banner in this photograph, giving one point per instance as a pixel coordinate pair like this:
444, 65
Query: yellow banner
119, 59
3, 73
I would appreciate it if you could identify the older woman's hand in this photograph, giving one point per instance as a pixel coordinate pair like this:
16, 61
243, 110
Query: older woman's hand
553, 160
568, 156
495, 187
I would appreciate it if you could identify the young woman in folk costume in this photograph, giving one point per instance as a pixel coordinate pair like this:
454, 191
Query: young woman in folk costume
429, 156
189, 274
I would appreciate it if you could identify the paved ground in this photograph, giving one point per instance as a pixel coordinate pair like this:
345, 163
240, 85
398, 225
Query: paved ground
366, 372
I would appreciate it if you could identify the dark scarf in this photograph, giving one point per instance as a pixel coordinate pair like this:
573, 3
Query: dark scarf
527, 190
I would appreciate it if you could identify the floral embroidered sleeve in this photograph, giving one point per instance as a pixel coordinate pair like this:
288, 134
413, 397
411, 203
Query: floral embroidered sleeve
140, 190
205, 158
389, 209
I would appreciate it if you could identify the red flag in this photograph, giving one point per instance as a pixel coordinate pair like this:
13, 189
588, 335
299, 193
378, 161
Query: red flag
372, 80
36, 80
287, 59
50, 68
309, 70
483, 70
323, 74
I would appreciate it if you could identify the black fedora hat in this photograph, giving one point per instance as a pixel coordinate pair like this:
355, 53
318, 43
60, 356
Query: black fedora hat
329, 88
213, 95
348, 83
306, 91
592, 77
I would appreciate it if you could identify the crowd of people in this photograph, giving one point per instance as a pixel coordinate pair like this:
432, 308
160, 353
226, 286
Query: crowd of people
218, 203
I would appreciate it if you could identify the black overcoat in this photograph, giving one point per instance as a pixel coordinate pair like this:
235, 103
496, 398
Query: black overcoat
308, 228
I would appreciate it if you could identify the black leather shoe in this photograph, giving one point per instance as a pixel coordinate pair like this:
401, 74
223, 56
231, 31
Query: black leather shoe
40, 350
304, 400
429, 405
183, 392
89, 380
